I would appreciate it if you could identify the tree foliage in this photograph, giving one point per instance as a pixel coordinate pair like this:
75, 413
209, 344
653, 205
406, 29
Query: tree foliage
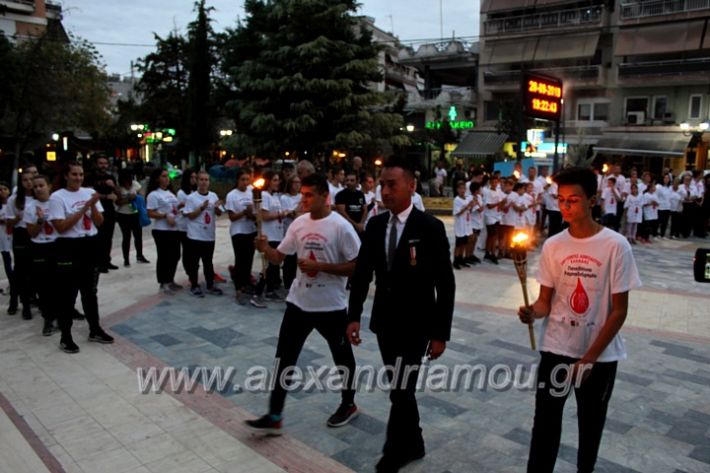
300, 75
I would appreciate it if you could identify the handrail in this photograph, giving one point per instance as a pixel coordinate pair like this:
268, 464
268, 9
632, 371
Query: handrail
635, 10
554, 19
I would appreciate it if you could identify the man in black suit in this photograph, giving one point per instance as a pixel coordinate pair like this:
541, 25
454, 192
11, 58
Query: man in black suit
408, 251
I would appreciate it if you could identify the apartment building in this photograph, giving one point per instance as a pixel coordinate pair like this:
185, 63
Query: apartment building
22, 19
633, 73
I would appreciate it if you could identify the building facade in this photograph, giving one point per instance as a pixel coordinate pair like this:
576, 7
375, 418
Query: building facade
633, 72
23, 19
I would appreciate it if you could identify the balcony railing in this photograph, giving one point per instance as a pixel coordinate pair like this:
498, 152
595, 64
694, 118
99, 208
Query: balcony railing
542, 21
578, 74
631, 11
664, 68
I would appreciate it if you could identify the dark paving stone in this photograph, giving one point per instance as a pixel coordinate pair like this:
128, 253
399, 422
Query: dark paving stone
223, 337
698, 416
368, 424
691, 432
467, 325
124, 330
355, 459
701, 453
617, 426
683, 376
440, 406
519, 436
662, 417
632, 378
273, 341
525, 350
166, 340
470, 350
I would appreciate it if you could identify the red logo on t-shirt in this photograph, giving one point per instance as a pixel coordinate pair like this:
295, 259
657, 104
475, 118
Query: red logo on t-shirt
48, 229
579, 300
312, 257
208, 219
87, 222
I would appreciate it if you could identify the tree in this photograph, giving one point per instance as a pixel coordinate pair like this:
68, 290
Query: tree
300, 76
49, 86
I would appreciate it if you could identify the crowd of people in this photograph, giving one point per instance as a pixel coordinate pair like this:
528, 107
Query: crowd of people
642, 209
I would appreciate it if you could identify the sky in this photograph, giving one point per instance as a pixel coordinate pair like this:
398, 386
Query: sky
127, 23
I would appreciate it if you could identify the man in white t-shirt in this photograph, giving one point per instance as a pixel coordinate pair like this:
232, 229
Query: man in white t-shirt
585, 275
327, 246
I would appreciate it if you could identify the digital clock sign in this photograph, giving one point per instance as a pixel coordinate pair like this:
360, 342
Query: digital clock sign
542, 96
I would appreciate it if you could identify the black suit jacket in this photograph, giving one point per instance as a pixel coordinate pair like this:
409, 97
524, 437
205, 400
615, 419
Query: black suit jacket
417, 296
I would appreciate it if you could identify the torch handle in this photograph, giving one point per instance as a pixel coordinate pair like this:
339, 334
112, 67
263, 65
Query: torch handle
257, 207
531, 331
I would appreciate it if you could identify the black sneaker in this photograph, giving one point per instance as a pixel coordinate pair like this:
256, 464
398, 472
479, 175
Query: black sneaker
266, 424
258, 302
273, 296
457, 265
103, 270
12, 310
197, 291
344, 414
68, 346
111, 266
48, 328
100, 337
142, 259
214, 291
174, 286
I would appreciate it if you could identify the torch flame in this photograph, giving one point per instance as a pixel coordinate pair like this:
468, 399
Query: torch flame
520, 239
516, 173
605, 168
548, 179
259, 183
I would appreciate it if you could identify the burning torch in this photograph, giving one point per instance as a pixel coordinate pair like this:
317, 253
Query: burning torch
519, 250
257, 187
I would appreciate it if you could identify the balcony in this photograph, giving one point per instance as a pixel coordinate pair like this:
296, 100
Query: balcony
691, 70
638, 10
19, 6
579, 76
590, 16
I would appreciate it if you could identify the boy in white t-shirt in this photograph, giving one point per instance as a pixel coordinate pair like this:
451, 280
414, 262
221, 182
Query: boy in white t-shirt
327, 246
610, 197
462, 224
585, 275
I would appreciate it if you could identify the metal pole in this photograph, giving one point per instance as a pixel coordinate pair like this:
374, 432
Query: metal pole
556, 159
441, 18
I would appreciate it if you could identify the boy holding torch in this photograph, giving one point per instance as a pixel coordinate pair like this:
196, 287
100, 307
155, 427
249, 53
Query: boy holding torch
585, 275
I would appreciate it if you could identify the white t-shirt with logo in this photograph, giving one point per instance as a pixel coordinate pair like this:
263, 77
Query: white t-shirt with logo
63, 203
491, 196
584, 273
331, 240
477, 212
634, 208
650, 206
47, 234
551, 202
508, 215
237, 202
663, 194
609, 201
164, 202
675, 200
202, 227
273, 230
289, 203
12, 211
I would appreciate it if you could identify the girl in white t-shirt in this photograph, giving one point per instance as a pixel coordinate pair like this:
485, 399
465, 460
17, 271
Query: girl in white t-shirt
202, 208
492, 198
5, 233
291, 204
75, 212
675, 202
20, 285
162, 206
462, 224
664, 206
188, 185
242, 230
273, 215
634, 213
474, 189
127, 216
650, 213
43, 250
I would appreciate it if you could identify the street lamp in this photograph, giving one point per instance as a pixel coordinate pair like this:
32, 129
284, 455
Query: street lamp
410, 128
689, 130
224, 133
55, 136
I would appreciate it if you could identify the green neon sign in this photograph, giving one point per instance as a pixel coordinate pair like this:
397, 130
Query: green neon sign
455, 125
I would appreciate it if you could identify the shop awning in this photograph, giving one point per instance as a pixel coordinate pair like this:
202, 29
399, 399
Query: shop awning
479, 144
659, 39
489, 6
550, 48
643, 144
509, 51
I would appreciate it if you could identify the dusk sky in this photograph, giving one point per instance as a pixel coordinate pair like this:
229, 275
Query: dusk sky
132, 22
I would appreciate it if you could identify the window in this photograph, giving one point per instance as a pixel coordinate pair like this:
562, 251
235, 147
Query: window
659, 107
492, 111
695, 106
636, 104
601, 112
584, 111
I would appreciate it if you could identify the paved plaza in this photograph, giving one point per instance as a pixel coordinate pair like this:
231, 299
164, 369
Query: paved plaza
85, 412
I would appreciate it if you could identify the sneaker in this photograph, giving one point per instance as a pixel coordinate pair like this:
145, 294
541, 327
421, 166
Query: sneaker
272, 296
197, 291
100, 337
267, 424
218, 278
48, 328
68, 346
12, 310
174, 286
242, 298
344, 414
142, 259
214, 291
103, 269
111, 266
165, 289
258, 302
457, 265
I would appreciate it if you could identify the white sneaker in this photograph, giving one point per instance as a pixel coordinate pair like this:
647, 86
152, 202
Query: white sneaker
165, 289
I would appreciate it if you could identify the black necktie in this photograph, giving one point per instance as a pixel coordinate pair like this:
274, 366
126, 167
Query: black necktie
392, 244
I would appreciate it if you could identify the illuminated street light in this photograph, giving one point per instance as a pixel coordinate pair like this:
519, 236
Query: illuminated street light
225, 133
55, 136
410, 128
